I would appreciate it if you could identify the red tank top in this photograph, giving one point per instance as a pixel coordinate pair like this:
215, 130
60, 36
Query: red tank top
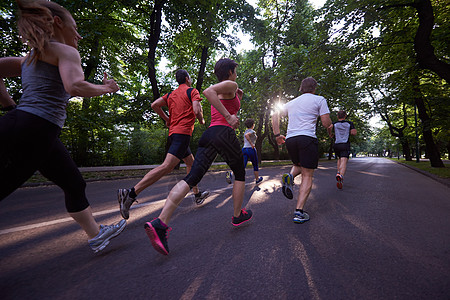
232, 106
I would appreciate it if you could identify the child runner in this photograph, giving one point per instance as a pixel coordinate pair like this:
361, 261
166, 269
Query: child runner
51, 73
219, 138
184, 106
249, 151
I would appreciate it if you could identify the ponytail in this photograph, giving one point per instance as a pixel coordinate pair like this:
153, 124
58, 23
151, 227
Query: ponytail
35, 24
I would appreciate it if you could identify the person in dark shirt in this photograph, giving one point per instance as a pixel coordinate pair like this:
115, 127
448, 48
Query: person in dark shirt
342, 131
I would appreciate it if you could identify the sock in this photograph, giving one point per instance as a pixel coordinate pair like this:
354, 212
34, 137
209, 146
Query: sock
300, 210
198, 194
132, 193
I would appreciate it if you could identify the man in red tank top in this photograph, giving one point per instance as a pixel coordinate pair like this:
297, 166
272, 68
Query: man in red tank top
184, 106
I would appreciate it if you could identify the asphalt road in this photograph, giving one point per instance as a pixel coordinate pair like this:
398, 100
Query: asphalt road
386, 235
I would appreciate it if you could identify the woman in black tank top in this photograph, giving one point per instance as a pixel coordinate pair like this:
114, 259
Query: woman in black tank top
31, 130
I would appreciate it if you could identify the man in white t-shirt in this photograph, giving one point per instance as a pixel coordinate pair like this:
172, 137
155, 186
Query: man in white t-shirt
301, 140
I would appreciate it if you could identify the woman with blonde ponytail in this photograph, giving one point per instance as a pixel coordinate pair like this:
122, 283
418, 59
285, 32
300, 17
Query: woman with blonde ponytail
51, 73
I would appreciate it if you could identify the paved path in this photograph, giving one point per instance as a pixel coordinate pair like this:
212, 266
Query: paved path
384, 236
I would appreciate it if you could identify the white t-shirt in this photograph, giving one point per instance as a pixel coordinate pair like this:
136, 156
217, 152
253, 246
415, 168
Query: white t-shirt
303, 112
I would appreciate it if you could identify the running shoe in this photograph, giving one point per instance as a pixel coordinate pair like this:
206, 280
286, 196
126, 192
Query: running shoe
340, 181
229, 177
200, 197
300, 217
158, 233
244, 216
107, 232
125, 201
287, 188
259, 179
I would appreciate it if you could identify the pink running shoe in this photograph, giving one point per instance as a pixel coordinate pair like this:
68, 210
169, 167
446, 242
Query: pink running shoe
157, 232
340, 181
245, 216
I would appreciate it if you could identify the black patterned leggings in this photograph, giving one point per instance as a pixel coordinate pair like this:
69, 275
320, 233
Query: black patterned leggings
217, 140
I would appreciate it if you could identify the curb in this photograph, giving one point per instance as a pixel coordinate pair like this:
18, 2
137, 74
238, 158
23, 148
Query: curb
444, 181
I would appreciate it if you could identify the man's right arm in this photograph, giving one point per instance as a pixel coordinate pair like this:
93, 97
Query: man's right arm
326, 122
157, 107
198, 111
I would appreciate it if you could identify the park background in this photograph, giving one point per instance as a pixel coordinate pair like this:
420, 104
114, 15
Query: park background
378, 60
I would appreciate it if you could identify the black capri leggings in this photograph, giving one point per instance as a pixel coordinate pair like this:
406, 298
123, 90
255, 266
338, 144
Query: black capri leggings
30, 144
217, 140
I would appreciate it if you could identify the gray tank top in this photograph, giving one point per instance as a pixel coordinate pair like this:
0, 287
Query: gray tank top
342, 131
43, 92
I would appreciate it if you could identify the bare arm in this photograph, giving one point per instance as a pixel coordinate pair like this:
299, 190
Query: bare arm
247, 136
326, 122
5, 99
69, 64
156, 106
198, 111
276, 128
9, 67
225, 88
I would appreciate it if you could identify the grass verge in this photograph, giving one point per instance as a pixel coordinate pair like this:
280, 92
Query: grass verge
37, 179
425, 166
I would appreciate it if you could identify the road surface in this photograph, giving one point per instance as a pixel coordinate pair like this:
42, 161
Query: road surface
386, 235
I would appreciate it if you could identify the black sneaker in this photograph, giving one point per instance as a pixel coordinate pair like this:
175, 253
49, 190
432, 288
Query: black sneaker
245, 216
125, 201
259, 180
200, 197
157, 233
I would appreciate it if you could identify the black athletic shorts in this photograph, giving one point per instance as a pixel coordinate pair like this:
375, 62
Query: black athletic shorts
304, 151
342, 150
217, 140
179, 145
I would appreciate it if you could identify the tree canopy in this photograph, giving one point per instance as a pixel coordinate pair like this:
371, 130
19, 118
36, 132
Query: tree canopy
388, 58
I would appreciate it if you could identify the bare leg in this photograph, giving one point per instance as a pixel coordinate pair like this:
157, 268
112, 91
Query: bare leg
295, 170
238, 197
343, 165
189, 161
305, 187
176, 195
256, 175
155, 174
87, 222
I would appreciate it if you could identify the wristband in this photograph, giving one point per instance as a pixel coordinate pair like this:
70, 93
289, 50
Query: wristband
277, 135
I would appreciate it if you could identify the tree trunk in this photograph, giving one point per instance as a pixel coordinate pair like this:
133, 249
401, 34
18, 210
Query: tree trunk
201, 72
422, 42
405, 148
80, 154
431, 149
153, 39
330, 150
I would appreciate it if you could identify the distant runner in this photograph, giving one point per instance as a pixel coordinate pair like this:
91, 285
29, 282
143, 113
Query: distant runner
342, 130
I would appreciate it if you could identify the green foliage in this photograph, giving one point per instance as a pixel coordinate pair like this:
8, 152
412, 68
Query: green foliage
361, 52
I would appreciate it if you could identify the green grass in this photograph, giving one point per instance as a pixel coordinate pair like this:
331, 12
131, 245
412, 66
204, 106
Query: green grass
425, 166
105, 175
